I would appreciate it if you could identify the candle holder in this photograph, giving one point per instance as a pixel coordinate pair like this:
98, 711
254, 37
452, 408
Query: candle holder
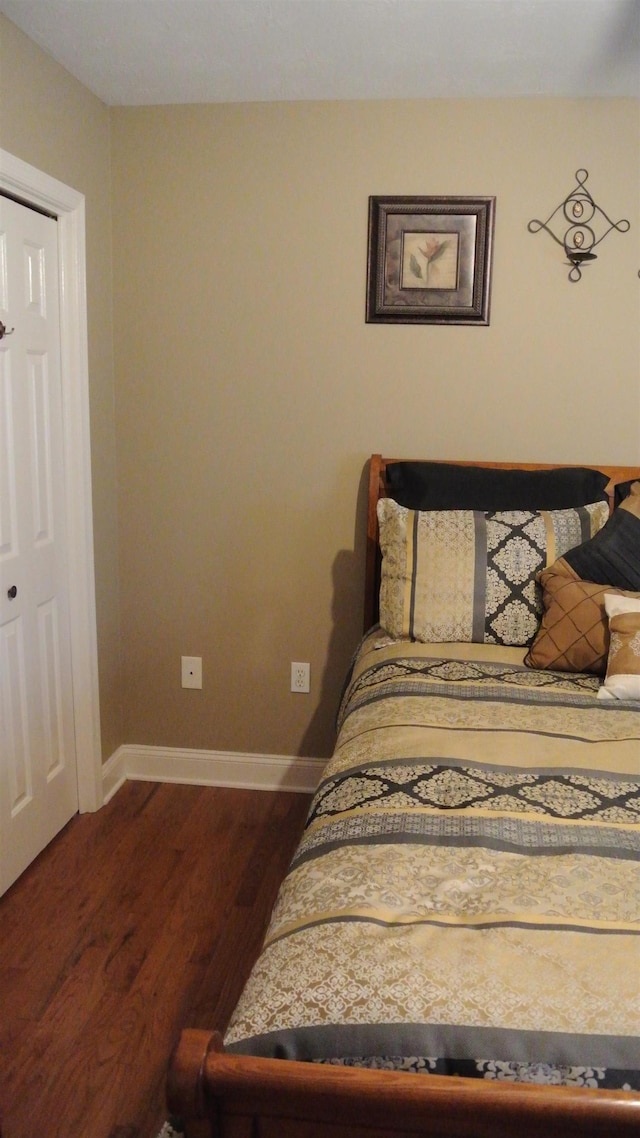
585, 219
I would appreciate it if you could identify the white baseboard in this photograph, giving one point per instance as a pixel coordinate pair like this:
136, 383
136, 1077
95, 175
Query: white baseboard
209, 768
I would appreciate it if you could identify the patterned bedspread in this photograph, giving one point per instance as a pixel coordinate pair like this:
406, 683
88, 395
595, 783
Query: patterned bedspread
465, 898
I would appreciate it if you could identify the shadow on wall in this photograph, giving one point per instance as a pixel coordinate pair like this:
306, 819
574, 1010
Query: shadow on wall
347, 609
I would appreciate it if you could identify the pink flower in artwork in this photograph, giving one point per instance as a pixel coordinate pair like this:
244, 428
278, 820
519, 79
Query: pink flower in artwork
432, 249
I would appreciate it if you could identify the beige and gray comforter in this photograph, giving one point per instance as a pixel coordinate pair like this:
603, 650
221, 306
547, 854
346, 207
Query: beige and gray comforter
465, 897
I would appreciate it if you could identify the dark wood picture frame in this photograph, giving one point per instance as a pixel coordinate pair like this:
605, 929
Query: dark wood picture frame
429, 260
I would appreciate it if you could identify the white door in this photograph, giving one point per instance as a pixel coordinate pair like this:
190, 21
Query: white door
38, 779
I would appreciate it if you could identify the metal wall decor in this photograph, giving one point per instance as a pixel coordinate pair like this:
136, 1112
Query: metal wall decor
586, 220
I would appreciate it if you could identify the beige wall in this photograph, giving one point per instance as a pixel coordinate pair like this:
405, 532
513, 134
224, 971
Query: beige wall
250, 391
51, 121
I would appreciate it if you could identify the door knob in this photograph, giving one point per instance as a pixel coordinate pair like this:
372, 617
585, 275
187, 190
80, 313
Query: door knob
12, 592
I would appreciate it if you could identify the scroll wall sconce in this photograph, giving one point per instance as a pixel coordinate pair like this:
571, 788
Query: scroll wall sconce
585, 226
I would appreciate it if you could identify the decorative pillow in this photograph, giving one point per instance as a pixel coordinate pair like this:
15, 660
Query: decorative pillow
622, 490
622, 680
454, 486
451, 575
612, 557
574, 633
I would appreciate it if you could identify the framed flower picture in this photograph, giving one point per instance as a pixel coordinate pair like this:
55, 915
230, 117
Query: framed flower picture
429, 260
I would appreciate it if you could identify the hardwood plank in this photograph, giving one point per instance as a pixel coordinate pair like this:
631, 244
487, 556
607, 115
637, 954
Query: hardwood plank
135, 922
245, 919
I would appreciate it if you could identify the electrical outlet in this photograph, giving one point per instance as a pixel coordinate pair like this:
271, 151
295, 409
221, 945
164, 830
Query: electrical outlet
300, 676
191, 671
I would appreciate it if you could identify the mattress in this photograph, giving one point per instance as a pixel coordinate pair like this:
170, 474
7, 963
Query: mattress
465, 897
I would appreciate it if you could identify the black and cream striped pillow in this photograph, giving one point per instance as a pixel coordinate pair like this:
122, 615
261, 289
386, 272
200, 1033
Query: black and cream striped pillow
465, 575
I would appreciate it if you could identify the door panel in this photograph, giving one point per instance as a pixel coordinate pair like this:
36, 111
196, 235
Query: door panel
38, 782
15, 732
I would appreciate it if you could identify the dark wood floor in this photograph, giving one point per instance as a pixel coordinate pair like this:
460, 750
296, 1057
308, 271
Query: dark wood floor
134, 922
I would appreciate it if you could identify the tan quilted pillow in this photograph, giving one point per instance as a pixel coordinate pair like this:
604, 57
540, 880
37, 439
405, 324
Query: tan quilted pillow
574, 632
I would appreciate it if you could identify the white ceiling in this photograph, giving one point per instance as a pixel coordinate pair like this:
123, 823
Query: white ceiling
133, 52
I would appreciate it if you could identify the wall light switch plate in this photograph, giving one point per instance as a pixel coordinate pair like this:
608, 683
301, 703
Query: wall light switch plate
191, 671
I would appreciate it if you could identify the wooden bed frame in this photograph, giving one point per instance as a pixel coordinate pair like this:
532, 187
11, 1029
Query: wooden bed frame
219, 1095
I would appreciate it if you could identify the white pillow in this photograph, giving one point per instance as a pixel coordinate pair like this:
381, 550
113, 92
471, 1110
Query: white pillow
622, 680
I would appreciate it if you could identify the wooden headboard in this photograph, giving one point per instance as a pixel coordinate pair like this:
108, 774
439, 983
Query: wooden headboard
378, 489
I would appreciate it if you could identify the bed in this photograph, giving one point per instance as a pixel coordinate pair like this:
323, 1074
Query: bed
456, 947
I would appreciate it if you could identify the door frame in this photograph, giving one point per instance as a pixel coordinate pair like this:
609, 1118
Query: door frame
34, 187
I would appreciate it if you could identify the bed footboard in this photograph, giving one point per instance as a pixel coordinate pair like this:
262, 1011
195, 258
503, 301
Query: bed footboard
237, 1096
